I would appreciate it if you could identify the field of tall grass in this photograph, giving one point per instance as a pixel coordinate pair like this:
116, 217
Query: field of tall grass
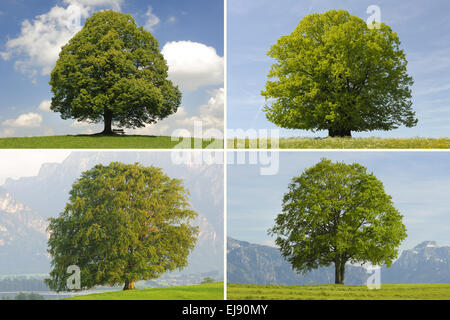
107, 142
339, 292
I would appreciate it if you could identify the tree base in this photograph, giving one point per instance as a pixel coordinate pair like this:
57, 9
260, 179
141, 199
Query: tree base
107, 133
339, 272
341, 133
129, 286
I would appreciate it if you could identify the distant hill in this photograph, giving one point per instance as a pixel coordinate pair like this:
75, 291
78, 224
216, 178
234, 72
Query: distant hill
208, 291
259, 264
27, 203
425, 263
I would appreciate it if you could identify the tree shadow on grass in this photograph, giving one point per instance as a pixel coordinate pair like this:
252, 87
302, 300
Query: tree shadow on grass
114, 135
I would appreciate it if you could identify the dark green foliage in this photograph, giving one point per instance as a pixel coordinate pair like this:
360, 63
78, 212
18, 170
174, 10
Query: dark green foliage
122, 223
207, 280
112, 71
335, 73
336, 213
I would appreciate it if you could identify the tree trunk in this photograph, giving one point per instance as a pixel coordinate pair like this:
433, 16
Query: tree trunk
339, 132
107, 116
339, 271
342, 271
129, 285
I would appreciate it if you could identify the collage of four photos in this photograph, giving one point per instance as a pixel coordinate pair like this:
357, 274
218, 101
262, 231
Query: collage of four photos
224, 150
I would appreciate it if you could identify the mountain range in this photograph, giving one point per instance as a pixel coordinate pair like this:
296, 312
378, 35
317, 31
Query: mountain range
27, 203
258, 264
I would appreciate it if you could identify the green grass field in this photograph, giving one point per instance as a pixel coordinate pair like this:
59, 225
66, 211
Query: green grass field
106, 142
339, 292
342, 143
209, 291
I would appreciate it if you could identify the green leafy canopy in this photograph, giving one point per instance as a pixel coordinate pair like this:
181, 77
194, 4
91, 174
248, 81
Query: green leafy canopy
335, 73
112, 71
337, 213
122, 223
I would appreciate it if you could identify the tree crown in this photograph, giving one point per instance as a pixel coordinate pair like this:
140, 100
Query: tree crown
334, 72
113, 71
337, 212
122, 223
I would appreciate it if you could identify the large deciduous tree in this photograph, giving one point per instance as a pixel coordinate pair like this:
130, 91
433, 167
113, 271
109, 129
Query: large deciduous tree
336, 213
335, 73
112, 71
122, 223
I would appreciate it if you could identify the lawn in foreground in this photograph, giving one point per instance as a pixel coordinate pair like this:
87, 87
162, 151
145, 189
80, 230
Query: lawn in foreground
107, 142
339, 292
209, 291
342, 143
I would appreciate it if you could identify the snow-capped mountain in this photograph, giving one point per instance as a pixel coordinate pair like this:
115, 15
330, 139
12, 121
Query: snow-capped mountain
259, 264
34, 199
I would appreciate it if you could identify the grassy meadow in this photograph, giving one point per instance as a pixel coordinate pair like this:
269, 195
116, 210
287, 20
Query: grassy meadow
209, 291
338, 292
107, 142
342, 143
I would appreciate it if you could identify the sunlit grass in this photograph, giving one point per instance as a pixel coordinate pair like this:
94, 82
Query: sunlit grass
341, 143
108, 142
339, 292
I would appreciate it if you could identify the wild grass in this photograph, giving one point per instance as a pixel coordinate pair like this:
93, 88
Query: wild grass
341, 143
107, 142
338, 292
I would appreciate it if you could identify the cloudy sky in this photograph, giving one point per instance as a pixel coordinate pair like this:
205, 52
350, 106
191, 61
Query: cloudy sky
190, 35
419, 183
423, 29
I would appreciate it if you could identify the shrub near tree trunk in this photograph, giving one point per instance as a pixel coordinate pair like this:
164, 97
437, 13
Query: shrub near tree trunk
335, 73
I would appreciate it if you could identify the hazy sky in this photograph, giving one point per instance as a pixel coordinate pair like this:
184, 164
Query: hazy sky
190, 36
419, 183
26, 163
423, 29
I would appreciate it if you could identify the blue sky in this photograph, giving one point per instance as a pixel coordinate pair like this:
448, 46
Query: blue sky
423, 29
419, 183
190, 35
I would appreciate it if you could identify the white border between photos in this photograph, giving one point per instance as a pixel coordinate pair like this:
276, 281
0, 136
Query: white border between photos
225, 230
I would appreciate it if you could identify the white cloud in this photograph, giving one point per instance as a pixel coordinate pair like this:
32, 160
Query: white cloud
164, 127
270, 243
26, 163
45, 105
5, 55
80, 124
114, 4
152, 20
210, 116
193, 64
29, 120
49, 132
7, 132
172, 19
88, 131
40, 40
